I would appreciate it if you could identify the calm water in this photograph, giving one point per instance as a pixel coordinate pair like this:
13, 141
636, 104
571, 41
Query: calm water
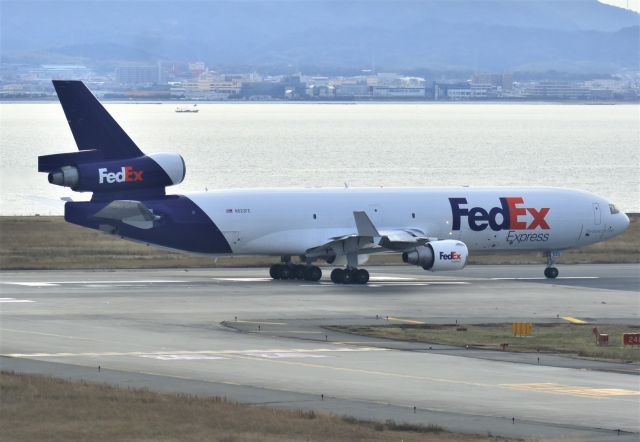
589, 147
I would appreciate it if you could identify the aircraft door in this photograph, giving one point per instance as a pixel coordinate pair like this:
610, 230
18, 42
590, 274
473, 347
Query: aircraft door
597, 214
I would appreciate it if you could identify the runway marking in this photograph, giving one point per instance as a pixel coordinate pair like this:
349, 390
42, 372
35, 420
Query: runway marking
540, 278
14, 300
242, 279
374, 372
184, 357
284, 355
574, 390
52, 335
57, 283
392, 278
386, 284
258, 322
406, 321
198, 352
363, 342
573, 320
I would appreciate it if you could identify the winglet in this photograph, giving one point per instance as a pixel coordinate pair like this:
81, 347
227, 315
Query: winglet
364, 225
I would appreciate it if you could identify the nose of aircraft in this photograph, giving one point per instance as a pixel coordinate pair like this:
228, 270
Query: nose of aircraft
624, 221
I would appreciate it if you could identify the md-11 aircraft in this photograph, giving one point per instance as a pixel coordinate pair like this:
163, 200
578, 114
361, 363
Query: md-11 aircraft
434, 228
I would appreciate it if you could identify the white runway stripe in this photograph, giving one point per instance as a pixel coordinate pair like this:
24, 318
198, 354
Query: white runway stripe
13, 300
92, 283
543, 278
252, 352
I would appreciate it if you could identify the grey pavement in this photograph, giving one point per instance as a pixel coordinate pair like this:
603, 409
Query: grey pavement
236, 333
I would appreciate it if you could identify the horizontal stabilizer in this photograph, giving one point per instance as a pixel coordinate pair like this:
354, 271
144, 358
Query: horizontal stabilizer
91, 124
133, 213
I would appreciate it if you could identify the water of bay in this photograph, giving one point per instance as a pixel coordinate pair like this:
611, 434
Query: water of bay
231, 145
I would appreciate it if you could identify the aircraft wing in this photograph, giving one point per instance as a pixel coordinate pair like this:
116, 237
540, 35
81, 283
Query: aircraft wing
134, 213
367, 239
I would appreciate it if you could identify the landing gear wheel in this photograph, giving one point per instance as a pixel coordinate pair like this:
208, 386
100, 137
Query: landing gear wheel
285, 272
348, 276
274, 271
360, 276
551, 272
299, 271
337, 276
312, 273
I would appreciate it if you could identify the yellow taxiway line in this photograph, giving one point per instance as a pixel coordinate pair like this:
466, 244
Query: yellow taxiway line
573, 320
406, 321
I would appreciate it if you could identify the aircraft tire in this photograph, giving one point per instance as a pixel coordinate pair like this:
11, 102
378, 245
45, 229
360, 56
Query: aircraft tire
299, 271
274, 271
551, 272
285, 272
312, 273
360, 276
348, 277
337, 276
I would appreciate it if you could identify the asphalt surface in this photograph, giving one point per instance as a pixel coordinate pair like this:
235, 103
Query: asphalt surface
236, 333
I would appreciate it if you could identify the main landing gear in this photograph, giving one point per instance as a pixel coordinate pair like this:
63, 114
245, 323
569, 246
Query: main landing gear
551, 271
295, 271
350, 276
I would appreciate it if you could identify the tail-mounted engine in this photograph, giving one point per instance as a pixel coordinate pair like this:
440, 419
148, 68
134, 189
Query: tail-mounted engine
439, 255
84, 172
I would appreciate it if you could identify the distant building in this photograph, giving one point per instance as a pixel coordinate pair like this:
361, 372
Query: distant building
557, 90
397, 92
137, 75
210, 86
197, 68
353, 90
502, 81
60, 72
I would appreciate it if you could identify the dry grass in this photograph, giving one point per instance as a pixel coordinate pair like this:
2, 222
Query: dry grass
553, 338
35, 408
40, 242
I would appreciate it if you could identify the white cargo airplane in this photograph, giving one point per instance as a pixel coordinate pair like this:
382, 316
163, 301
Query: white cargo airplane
434, 228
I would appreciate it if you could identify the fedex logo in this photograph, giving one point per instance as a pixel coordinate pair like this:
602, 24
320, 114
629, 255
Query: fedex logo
453, 256
126, 174
511, 215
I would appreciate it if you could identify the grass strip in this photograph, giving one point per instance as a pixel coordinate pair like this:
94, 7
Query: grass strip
576, 339
36, 408
48, 242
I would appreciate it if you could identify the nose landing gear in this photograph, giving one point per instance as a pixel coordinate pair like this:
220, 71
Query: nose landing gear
551, 272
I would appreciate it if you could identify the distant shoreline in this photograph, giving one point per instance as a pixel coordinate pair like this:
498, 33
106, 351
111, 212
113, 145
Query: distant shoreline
336, 101
50, 243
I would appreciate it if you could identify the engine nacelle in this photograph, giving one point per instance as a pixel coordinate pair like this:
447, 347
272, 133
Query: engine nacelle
439, 256
148, 171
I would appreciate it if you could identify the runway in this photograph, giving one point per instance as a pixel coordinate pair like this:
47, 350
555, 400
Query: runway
236, 333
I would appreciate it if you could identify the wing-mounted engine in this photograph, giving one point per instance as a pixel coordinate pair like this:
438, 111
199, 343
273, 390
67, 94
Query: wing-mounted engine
438, 255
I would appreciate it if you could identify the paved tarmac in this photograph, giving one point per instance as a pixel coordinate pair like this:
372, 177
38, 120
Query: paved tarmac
236, 333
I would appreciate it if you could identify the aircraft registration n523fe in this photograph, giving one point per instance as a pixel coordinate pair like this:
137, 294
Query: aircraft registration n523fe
434, 228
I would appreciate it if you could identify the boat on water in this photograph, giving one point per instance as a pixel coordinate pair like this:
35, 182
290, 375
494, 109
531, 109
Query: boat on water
185, 109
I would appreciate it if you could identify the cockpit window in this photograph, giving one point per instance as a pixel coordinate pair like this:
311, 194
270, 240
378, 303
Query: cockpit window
613, 209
